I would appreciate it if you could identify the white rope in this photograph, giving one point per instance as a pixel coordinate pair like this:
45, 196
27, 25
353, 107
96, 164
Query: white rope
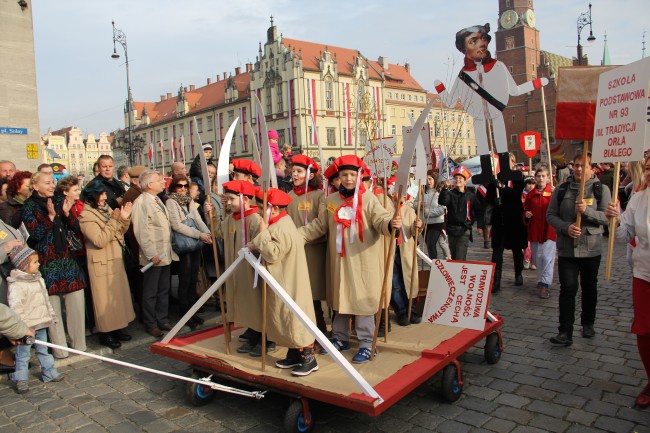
204, 381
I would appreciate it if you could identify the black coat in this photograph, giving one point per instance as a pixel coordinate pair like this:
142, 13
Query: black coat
113, 190
456, 203
508, 229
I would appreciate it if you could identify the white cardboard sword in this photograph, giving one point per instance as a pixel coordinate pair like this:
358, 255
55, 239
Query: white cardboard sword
223, 172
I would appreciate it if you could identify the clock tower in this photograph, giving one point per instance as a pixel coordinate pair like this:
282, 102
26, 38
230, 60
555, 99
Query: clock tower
518, 47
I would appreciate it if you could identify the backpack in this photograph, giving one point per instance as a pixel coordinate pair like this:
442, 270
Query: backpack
562, 189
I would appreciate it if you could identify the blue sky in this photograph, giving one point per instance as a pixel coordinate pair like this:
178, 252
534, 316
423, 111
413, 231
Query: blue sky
173, 42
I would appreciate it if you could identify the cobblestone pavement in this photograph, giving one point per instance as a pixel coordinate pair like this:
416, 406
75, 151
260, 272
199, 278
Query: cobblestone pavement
535, 387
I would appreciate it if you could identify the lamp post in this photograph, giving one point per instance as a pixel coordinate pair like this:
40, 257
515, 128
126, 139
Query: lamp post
584, 20
120, 37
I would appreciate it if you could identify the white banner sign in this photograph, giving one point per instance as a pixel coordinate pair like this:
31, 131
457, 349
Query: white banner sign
424, 134
620, 129
379, 155
458, 294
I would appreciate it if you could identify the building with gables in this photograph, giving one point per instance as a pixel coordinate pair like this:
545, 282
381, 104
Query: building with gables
78, 155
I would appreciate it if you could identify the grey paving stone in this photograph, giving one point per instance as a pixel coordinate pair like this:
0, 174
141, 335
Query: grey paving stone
500, 425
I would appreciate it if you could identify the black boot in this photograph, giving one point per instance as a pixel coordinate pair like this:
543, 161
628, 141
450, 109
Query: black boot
486, 175
106, 339
308, 363
291, 360
505, 172
382, 333
496, 283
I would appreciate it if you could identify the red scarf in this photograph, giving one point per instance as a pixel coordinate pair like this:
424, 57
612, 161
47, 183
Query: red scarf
300, 190
342, 223
251, 211
488, 63
277, 217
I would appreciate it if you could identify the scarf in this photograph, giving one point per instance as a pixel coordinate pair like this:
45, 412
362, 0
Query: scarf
344, 214
488, 62
251, 211
58, 227
300, 190
277, 217
181, 199
105, 211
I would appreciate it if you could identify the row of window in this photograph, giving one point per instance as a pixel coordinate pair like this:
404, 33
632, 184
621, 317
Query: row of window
406, 96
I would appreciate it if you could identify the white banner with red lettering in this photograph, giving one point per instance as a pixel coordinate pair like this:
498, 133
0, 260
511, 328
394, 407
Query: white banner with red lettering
458, 294
620, 130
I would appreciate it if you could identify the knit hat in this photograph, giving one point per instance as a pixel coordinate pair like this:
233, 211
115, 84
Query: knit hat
207, 146
19, 256
273, 134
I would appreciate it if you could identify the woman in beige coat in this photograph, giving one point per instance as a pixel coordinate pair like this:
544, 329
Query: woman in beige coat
103, 229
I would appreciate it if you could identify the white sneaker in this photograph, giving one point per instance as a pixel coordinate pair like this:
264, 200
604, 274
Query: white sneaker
526, 264
533, 267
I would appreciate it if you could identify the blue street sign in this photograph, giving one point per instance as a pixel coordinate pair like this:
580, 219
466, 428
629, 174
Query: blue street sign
13, 131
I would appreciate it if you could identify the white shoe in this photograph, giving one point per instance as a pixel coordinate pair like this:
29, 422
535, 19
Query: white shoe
533, 267
526, 264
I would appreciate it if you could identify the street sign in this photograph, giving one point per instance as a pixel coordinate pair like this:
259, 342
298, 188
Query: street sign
12, 131
32, 151
529, 142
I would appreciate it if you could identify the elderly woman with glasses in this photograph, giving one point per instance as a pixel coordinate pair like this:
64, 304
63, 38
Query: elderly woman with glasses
181, 207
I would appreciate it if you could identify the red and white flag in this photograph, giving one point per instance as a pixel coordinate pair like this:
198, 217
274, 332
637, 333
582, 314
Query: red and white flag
172, 148
181, 148
575, 113
162, 152
150, 153
312, 107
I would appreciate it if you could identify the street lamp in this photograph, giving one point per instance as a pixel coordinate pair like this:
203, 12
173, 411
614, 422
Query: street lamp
120, 37
584, 20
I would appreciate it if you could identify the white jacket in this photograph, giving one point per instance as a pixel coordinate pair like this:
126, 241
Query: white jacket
28, 298
635, 224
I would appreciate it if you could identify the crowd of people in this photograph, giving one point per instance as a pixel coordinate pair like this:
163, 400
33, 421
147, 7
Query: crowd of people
72, 250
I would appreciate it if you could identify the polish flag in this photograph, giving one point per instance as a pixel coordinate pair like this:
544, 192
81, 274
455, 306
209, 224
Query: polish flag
172, 148
162, 151
312, 107
575, 113
181, 148
150, 153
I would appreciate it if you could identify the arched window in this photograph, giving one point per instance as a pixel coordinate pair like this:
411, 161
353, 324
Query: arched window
329, 94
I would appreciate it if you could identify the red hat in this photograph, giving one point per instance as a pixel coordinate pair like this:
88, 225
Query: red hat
391, 181
461, 171
305, 161
349, 162
367, 174
239, 187
247, 166
273, 134
274, 197
331, 172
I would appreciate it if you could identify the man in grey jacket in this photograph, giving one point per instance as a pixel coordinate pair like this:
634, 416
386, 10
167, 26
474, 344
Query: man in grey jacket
578, 247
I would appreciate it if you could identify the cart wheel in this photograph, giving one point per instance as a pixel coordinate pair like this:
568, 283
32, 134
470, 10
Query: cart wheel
199, 395
451, 385
294, 419
492, 348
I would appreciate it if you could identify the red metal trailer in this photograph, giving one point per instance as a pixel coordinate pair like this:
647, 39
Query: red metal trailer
411, 356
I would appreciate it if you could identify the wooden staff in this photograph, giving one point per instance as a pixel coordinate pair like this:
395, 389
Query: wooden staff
612, 223
264, 201
492, 147
530, 167
583, 180
414, 266
224, 318
548, 144
391, 254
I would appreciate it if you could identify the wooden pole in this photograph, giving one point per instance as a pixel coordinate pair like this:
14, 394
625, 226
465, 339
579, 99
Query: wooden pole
224, 319
612, 223
387, 278
264, 206
548, 144
530, 167
583, 180
414, 266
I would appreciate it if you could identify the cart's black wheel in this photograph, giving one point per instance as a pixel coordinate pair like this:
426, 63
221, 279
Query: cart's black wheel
199, 395
451, 384
492, 348
294, 419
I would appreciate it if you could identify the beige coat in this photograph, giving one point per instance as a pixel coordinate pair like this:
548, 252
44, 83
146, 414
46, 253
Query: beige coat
177, 215
283, 249
315, 251
356, 278
152, 230
406, 247
28, 298
243, 300
109, 286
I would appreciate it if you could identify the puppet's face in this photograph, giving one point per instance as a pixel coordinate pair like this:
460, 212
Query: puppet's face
476, 46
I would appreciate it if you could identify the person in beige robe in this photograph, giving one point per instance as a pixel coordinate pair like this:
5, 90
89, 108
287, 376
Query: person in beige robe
103, 230
282, 247
243, 300
355, 267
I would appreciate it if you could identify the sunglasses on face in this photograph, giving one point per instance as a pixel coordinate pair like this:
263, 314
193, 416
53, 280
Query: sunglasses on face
182, 185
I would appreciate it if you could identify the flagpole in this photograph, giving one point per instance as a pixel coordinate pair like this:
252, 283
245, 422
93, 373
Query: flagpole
548, 143
612, 222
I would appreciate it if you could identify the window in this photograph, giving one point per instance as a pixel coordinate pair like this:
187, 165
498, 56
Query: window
278, 93
402, 96
210, 123
511, 70
331, 136
281, 139
510, 42
453, 117
329, 95
182, 128
165, 135
363, 137
453, 132
311, 134
409, 97
393, 129
446, 132
444, 116
390, 95
513, 139
81, 155
532, 67
467, 134
269, 106
199, 125
438, 117
513, 118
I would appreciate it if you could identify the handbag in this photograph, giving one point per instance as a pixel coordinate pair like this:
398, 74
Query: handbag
74, 243
182, 244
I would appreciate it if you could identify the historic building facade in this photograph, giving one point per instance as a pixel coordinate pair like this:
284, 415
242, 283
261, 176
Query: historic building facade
68, 148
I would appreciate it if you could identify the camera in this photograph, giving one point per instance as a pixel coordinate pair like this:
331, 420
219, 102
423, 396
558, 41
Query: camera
27, 339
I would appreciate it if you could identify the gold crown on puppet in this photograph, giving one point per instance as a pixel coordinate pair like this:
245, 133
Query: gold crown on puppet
461, 171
